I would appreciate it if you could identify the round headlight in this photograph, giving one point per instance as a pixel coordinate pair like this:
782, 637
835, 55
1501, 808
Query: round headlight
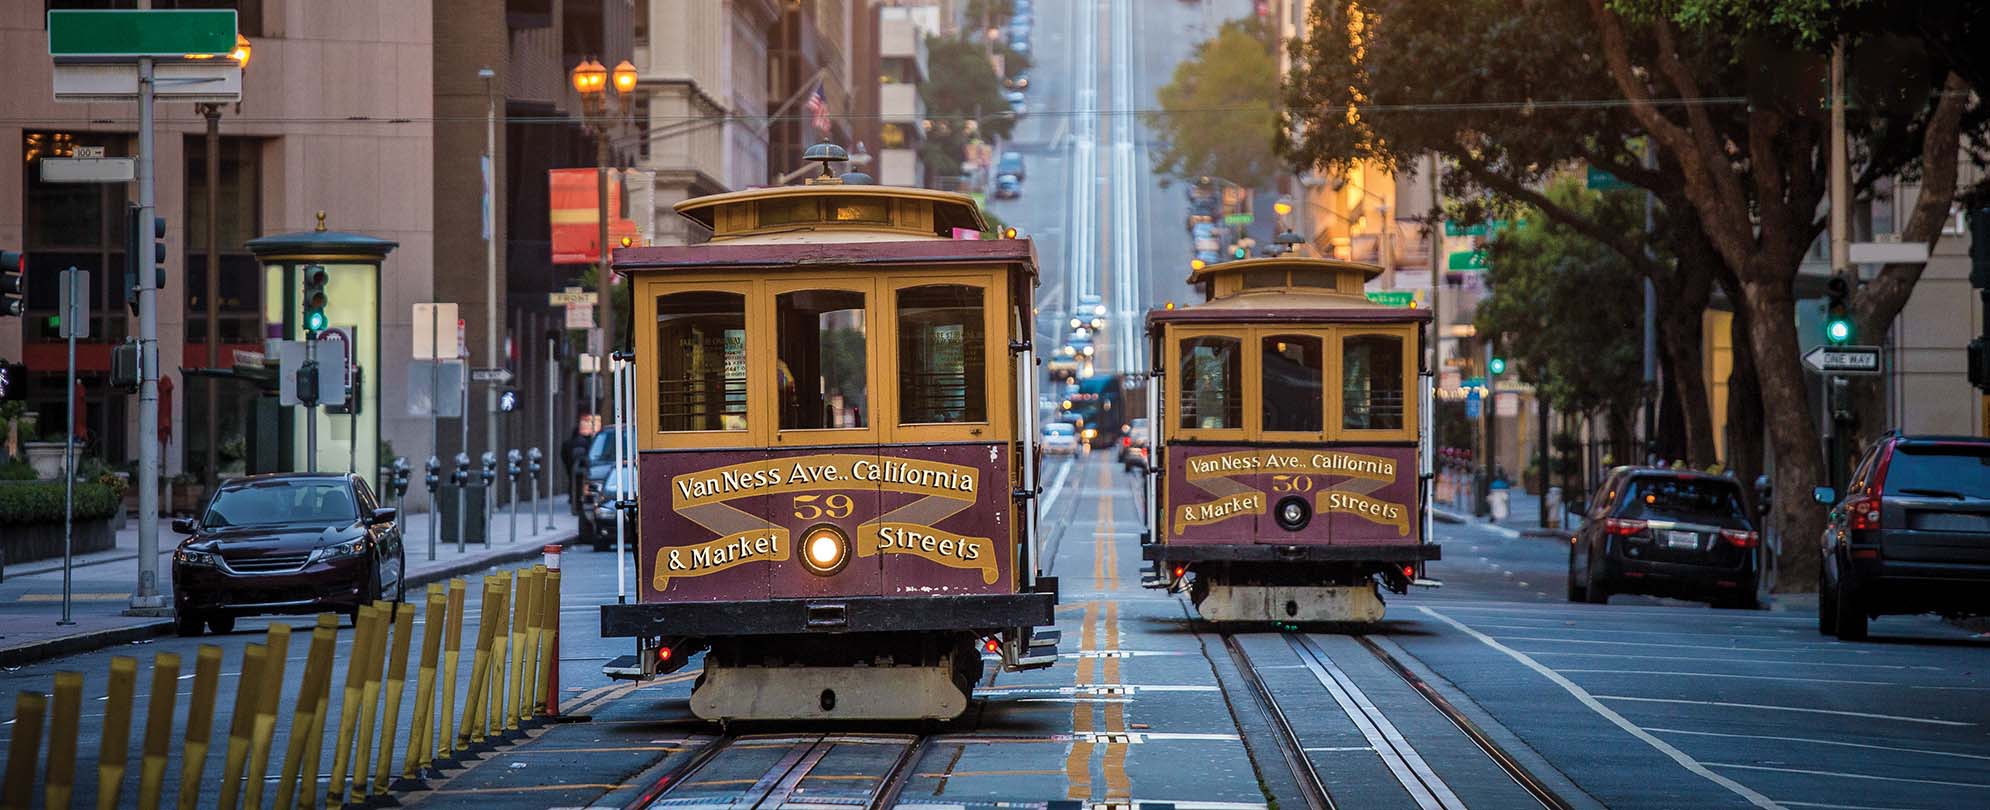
1293, 514
824, 550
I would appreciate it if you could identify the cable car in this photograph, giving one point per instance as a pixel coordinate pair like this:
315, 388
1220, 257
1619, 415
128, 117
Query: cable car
835, 420
1291, 470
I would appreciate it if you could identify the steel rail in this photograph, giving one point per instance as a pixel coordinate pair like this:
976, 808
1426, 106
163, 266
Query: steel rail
1289, 747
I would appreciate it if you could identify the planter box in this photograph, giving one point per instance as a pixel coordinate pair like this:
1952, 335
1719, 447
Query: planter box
46, 457
42, 541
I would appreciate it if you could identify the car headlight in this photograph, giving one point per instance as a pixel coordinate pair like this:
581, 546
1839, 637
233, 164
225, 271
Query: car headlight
349, 548
193, 556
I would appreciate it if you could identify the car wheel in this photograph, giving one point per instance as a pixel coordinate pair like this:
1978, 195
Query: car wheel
401, 582
221, 625
1598, 590
1851, 616
1577, 591
1827, 607
189, 624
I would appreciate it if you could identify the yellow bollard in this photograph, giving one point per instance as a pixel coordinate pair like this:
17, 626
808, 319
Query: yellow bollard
500, 649
362, 639
549, 647
521, 620
24, 750
276, 652
200, 724
158, 729
369, 697
61, 742
116, 734
317, 671
452, 646
241, 725
431, 646
397, 679
528, 706
472, 728
314, 744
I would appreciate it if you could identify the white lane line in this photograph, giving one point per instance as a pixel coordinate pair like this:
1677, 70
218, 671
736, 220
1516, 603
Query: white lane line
1725, 675
1774, 634
1805, 710
1816, 741
1799, 649
1641, 613
1056, 487
1824, 806
1706, 660
1840, 774
1582, 696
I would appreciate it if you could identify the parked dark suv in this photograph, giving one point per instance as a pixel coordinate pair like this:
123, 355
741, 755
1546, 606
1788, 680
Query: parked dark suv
1912, 534
285, 543
1665, 532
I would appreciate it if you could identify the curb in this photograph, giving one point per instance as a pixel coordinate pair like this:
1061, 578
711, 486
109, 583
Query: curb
37, 651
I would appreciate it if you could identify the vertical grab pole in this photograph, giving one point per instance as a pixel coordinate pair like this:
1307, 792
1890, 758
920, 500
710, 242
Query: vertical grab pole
621, 431
1026, 425
1426, 473
1148, 476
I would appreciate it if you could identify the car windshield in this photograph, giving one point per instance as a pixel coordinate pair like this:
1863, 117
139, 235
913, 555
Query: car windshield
1703, 500
275, 503
1941, 471
602, 448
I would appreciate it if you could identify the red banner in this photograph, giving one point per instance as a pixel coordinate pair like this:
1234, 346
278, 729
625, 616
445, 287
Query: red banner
576, 215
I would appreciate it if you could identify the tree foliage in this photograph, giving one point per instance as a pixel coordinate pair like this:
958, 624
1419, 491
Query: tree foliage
1568, 309
963, 101
1218, 114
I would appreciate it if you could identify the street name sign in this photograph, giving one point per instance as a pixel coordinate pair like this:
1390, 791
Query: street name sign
490, 375
88, 169
1889, 253
571, 295
1467, 260
580, 316
1844, 360
1393, 298
1238, 219
100, 34
1596, 179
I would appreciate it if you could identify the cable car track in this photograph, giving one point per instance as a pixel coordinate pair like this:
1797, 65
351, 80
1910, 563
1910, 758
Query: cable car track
1424, 783
788, 772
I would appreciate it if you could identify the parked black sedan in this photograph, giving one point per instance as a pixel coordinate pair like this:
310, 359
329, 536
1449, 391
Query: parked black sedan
1664, 532
286, 543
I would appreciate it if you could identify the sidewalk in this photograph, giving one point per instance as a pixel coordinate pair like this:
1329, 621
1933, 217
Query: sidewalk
101, 583
1523, 518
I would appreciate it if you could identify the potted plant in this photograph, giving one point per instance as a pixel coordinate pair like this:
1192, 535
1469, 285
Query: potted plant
46, 455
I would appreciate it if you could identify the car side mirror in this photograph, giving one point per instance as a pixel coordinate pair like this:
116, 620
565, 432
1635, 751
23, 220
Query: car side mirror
1824, 495
385, 514
183, 525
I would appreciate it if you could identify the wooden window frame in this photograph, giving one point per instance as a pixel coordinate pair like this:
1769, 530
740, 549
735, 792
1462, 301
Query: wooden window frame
772, 290
1329, 383
996, 385
1407, 332
1247, 371
759, 355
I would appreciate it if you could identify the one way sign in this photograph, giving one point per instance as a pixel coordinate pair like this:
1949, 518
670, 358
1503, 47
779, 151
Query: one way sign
1846, 360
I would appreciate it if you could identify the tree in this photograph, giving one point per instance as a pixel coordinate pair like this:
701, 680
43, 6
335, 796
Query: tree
1540, 271
1218, 114
963, 101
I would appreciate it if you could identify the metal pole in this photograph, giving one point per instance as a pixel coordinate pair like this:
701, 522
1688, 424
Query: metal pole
463, 493
492, 312
213, 296
553, 453
147, 598
604, 276
434, 422
311, 408
514, 502
621, 558
69, 322
1436, 274
1541, 488
1649, 378
1835, 440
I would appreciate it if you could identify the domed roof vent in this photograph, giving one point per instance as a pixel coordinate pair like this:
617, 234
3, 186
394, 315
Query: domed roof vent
826, 153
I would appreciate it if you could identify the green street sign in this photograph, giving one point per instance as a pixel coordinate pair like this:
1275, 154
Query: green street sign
1467, 260
128, 34
1237, 219
1393, 298
1482, 229
1599, 180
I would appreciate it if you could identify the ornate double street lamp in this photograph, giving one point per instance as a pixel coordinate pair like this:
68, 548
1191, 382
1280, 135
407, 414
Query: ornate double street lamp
212, 298
591, 80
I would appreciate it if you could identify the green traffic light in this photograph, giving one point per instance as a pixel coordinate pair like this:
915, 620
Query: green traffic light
1497, 366
1838, 330
315, 322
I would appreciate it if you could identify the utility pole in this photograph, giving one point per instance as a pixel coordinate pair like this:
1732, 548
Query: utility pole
212, 298
492, 313
1844, 276
1650, 376
147, 600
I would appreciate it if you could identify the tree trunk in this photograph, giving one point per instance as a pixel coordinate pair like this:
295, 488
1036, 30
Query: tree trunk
1685, 298
1744, 405
1799, 462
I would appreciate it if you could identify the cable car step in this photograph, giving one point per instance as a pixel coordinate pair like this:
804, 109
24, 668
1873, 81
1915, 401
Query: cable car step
1045, 638
1426, 582
623, 668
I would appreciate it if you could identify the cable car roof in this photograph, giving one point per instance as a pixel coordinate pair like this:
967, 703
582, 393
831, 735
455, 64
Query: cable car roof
1369, 272
909, 212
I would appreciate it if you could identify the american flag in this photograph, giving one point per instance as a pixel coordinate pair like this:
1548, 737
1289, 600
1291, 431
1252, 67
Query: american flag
819, 108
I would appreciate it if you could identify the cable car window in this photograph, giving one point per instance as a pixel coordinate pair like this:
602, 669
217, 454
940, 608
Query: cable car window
1258, 279
1372, 382
820, 338
806, 210
1315, 277
859, 209
1211, 370
701, 378
1294, 383
942, 355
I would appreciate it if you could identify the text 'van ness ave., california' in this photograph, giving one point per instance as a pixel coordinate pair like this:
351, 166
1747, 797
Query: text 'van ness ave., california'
1357, 465
824, 471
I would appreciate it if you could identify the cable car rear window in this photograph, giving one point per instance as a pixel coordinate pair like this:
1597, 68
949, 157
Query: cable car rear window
1372, 382
701, 379
1293, 383
942, 355
1212, 369
821, 374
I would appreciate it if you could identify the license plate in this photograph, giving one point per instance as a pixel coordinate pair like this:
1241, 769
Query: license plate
1682, 540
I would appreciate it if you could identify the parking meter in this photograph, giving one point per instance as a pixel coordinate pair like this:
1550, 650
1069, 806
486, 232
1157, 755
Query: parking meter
512, 467
1763, 490
489, 472
532, 459
434, 477
401, 475
461, 476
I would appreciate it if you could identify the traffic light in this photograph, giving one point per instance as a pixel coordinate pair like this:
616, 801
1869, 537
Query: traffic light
1497, 365
133, 262
307, 383
1239, 252
13, 270
315, 281
508, 400
158, 253
1837, 318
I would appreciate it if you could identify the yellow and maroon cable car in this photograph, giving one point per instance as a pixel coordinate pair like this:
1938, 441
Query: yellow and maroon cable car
836, 457
1292, 456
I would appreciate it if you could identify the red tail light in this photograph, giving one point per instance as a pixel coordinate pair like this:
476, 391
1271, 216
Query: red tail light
1126, 441
663, 655
1741, 539
1409, 572
1180, 570
1862, 512
992, 645
1623, 528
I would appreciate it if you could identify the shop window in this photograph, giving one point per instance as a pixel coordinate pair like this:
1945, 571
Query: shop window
822, 374
1293, 383
701, 349
943, 358
1372, 392
238, 206
1211, 370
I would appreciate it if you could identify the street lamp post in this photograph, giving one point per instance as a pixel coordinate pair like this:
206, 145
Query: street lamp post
212, 112
591, 80
492, 311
